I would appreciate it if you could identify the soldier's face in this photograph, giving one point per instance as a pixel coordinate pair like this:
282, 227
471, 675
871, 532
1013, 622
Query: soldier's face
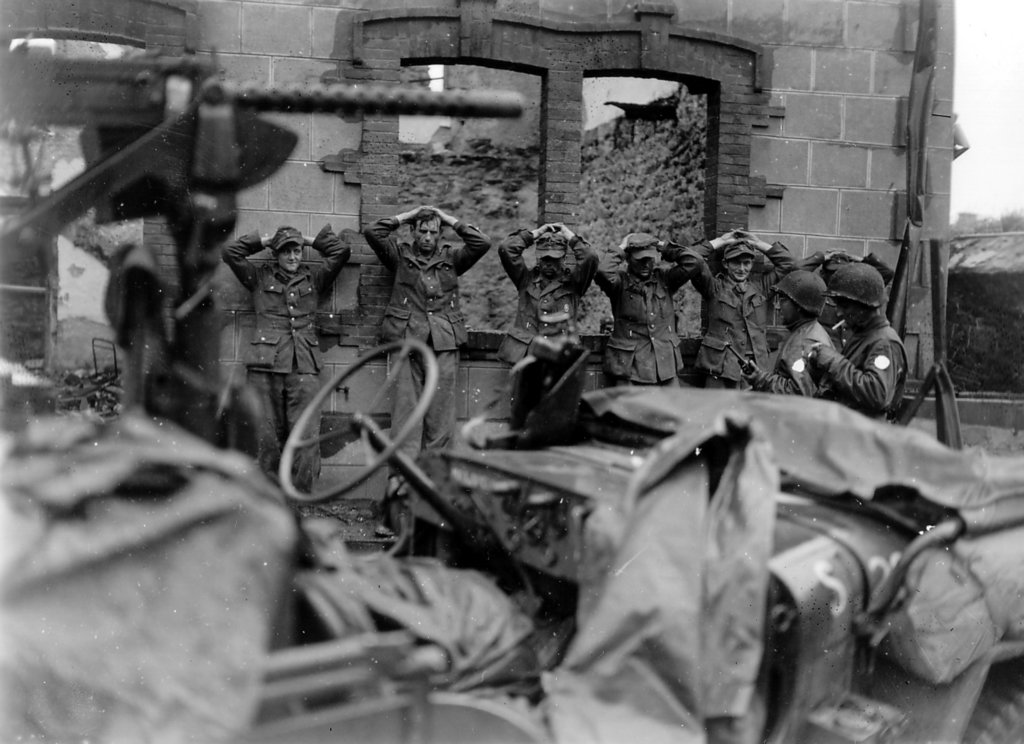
550, 266
641, 267
789, 311
426, 234
289, 258
854, 313
739, 268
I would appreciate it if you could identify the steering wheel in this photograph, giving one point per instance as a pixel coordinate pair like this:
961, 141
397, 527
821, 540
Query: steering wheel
382, 447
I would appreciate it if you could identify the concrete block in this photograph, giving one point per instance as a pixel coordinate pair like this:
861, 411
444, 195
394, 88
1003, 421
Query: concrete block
266, 223
301, 186
767, 218
810, 211
329, 134
220, 26
842, 70
276, 29
779, 160
791, 68
818, 22
302, 72
795, 243
762, 20
838, 165
326, 32
811, 115
868, 214
888, 169
874, 25
826, 245
707, 15
256, 197
893, 71
244, 68
873, 120
346, 199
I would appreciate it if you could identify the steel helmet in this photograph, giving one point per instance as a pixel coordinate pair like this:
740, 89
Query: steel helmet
805, 288
858, 282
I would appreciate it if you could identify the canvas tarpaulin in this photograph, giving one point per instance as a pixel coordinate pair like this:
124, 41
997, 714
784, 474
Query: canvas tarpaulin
670, 627
828, 449
141, 574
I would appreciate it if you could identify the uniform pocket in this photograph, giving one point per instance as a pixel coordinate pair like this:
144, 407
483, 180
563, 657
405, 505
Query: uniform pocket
263, 348
396, 320
712, 354
618, 357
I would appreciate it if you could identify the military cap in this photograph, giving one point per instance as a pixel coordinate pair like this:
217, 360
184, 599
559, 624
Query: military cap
286, 236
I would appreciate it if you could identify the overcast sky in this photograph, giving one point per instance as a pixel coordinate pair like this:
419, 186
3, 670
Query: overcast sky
989, 98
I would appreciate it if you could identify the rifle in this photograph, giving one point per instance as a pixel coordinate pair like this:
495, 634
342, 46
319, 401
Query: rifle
163, 136
746, 366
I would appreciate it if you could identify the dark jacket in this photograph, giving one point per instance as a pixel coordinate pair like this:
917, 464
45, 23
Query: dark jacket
424, 301
871, 373
736, 316
285, 338
539, 296
793, 374
644, 344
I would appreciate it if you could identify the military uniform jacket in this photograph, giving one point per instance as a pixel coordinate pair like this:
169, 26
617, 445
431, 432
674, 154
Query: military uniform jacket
285, 338
424, 301
644, 344
870, 375
539, 296
736, 315
793, 374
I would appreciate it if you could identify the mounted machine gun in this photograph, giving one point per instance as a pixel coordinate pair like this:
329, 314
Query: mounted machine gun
167, 137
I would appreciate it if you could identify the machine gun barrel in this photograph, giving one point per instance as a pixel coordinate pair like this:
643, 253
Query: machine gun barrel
377, 99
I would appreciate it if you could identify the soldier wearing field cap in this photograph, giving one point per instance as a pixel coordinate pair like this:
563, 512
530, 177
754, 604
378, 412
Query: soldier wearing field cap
283, 358
549, 291
870, 374
643, 348
801, 297
737, 304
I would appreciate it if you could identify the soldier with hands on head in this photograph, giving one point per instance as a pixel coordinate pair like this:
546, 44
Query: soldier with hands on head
643, 347
424, 305
737, 304
870, 374
549, 292
283, 360
801, 297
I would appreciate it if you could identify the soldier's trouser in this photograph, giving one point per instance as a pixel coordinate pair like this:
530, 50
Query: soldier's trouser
439, 424
283, 397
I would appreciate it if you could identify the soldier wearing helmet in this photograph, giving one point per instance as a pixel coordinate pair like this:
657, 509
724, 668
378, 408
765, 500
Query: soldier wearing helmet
870, 374
825, 264
283, 360
737, 305
801, 297
549, 292
643, 348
